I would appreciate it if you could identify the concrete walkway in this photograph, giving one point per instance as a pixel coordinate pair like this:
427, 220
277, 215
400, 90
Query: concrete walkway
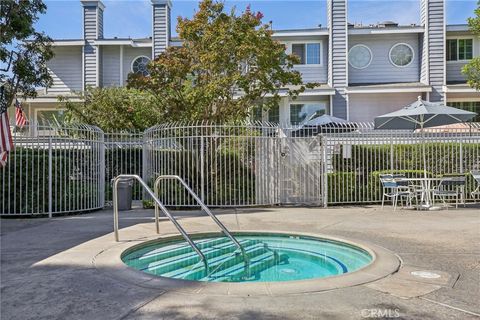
45, 275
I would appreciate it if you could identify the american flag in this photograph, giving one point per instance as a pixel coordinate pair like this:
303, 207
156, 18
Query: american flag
20, 118
6, 142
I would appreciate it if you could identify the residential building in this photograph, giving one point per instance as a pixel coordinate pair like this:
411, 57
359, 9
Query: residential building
362, 71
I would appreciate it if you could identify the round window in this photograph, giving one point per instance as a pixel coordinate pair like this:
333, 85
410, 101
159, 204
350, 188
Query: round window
359, 56
401, 55
139, 66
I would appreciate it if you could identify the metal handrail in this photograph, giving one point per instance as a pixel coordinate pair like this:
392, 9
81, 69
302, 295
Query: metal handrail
157, 204
207, 211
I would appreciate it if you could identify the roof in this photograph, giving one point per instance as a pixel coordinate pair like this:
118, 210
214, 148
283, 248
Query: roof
457, 27
384, 28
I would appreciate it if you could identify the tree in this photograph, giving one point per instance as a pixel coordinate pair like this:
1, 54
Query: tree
227, 64
472, 69
23, 50
116, 108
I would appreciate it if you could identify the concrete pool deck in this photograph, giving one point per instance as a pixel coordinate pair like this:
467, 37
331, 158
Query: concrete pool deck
47, 271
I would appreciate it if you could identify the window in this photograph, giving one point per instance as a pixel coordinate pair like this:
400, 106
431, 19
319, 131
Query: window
452, 50
459, 49
299, 112
274, 114
140, 64
473, 106
308, 53
50, 117
359, 56
401, 55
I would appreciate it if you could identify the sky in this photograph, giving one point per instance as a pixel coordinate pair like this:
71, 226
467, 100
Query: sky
132, 18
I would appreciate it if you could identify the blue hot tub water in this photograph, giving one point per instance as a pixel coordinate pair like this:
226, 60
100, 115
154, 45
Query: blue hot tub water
272, 258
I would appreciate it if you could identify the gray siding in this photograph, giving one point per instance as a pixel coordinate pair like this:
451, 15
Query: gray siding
435, 35
90, 22
90, 64
66, 69
338, 43
129, 54
381, 70
100, 24
316, 73
365, 107
454, 71
92, 29
161, 28
111, 66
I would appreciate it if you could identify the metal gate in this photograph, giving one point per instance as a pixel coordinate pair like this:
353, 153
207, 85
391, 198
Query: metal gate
301, 169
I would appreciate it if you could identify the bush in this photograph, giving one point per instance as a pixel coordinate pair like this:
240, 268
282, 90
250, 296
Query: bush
25, 181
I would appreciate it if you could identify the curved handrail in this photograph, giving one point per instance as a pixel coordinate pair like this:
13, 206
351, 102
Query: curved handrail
157, 204
207, 211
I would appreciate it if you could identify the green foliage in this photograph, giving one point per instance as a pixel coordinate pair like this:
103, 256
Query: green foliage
115, 108
227, 64
23, 50
472, 69
472, 72
73, 186
357, 177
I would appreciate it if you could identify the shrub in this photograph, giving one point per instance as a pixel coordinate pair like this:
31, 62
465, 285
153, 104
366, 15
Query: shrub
25, 181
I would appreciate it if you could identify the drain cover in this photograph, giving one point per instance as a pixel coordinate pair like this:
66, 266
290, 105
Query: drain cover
287, 270
425, 274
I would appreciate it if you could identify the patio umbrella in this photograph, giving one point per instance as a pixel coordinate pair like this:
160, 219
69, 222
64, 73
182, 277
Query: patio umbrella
422, 114
324, 123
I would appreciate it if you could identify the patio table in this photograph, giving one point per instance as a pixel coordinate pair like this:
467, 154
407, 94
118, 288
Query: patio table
426, 190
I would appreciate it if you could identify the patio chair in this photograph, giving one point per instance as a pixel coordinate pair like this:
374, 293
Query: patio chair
476, 175
450, 187
394, 189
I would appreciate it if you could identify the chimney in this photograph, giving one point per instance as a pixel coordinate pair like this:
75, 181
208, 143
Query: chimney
433, 47
160, 26
92, 30
338, 48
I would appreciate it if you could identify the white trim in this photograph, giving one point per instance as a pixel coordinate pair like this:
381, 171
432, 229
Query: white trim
456, 89
471, 99
83, 67
278, 34
348, 57
97, 66
141, 56
305, 42
153, 30
67, 43
396, 45
364, 31
361, 90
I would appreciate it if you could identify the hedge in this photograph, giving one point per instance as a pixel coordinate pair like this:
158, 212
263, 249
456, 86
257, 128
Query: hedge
25, 182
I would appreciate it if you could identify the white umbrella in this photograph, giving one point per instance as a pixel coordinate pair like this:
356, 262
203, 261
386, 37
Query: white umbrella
422, 114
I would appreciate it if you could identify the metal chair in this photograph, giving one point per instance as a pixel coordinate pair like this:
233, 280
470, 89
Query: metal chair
450, 187
394, 189
476, 175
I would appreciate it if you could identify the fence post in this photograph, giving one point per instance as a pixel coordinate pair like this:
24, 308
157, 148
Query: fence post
391, 153
50, 205
202, 170
461, 154
145, 168
324, 172
102, 169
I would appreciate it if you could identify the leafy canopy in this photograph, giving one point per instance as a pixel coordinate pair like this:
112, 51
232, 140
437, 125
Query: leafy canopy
227, 64
472, 69
116, 108
23, 50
